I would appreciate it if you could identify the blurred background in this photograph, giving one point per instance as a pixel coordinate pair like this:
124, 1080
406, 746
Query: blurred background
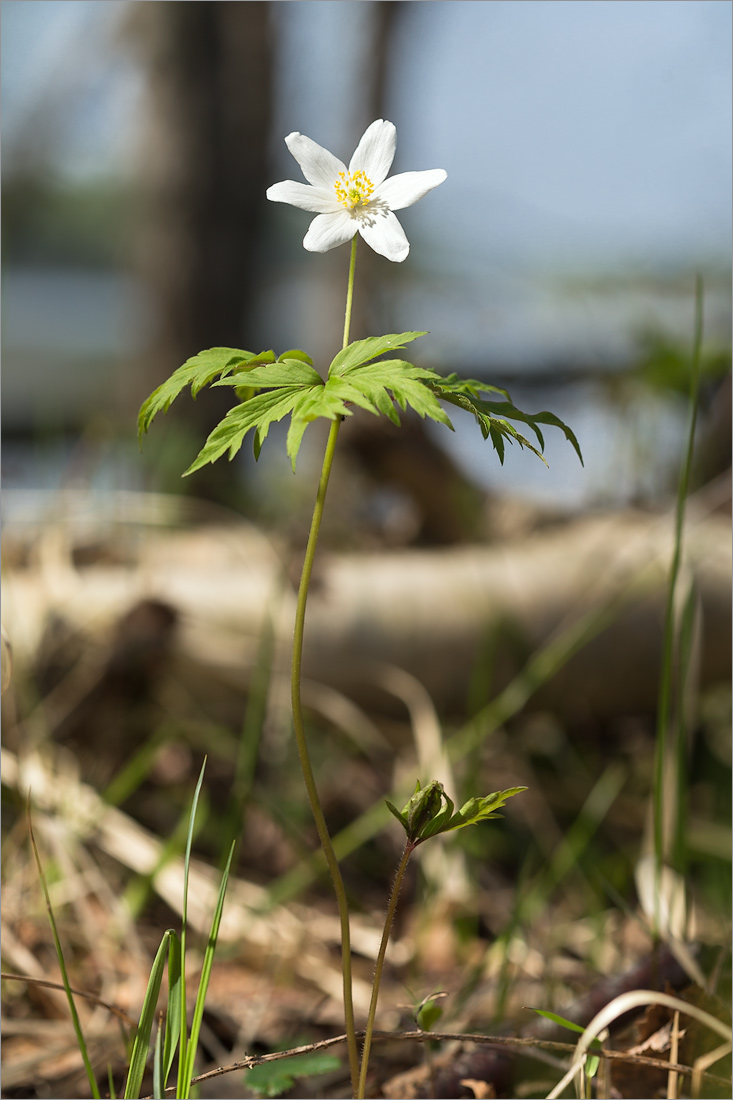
588, 154
484, 624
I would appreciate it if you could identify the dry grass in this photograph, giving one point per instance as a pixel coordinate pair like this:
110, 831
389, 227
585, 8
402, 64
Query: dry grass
106, 723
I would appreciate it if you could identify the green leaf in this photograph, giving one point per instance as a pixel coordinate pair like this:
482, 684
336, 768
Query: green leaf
296, 353
423, 806
208, 962
593, 1062
371, 385
141, 1046
270, 389
293, 387
560, 1020
285, 372
506, 408
81, 1042
492, 427
423, 815
183, 1085
493, 416
158, 1080
174, 1008
274, 1078
197, 372
289, 385
400, 817
430, 811
361, 351
481, 809
439, 822
428, 1014
259, 412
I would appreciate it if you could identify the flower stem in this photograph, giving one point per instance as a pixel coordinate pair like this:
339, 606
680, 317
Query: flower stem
379, 966
350, 290
299, 725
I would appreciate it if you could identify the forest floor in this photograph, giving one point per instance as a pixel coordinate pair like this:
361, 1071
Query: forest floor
106, 724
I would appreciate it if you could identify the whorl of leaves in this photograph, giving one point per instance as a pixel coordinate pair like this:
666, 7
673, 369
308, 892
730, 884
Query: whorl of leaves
269, 389
430, 811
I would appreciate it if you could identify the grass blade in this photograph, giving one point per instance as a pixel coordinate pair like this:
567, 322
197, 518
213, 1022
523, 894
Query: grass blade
173, 1014
62, 963
158, 1078
141, 1046
661, 854
198, 1012
182, 1029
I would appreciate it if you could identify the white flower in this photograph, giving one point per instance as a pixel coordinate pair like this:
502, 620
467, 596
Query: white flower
359, 198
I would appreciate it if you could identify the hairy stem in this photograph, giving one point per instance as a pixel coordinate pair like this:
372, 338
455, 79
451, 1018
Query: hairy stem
299, 725
379, 966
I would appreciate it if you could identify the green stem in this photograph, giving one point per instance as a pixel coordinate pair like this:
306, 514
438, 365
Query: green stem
350, 290
391, 909
299, 725
665, 690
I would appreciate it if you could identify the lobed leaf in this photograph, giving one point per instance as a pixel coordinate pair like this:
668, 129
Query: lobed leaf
493, 416
197, 372
371, 385
495, 428
270, 389
362, 351
481, 809
296, 353
258, 413
430, 811
294, 387
284, 372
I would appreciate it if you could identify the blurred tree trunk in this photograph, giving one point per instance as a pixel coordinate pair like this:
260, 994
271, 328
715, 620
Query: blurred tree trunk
204, 179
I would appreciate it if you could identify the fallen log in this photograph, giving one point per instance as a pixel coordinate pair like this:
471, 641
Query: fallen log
448, 616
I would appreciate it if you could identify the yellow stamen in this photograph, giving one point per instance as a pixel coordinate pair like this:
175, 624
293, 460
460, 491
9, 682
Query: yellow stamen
353, 190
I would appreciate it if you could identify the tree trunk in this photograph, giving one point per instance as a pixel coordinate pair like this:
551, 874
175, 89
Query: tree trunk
205, 175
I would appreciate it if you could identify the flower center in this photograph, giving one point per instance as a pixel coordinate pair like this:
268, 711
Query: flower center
353, 190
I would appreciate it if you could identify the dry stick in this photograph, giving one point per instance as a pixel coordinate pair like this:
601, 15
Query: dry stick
45, 984
299, 724
417, 1036
461, 1037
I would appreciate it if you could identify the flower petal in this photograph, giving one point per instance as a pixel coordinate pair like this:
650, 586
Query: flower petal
408, 187
328, 231
305, 197
385, 235
316, 163
375, 152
